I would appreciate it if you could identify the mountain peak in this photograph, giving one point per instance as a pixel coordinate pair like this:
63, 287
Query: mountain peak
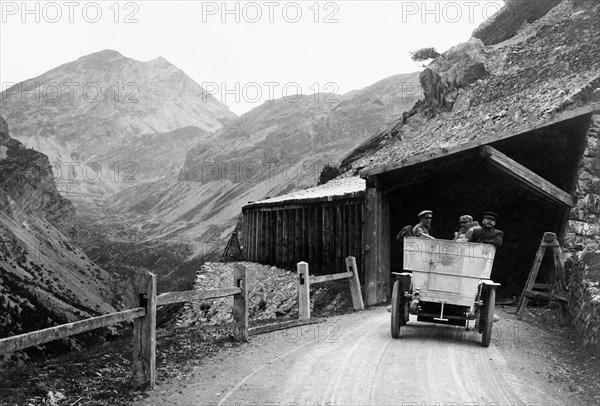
107, 55
160, 61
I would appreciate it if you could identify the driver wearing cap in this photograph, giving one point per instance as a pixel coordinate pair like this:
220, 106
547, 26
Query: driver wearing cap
422, 229
488, 234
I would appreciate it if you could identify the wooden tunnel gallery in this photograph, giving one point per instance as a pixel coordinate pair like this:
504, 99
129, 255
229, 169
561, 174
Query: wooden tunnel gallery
527, 176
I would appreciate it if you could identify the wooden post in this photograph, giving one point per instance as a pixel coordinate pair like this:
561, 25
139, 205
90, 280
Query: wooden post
144, 333
240, 303
371, 236
303, 291
384, 268
357, 300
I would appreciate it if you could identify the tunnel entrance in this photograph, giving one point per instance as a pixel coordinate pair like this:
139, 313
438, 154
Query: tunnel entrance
526, 179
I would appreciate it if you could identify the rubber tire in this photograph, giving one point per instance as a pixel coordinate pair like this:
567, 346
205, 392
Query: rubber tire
396, 313
489, 317
399, 309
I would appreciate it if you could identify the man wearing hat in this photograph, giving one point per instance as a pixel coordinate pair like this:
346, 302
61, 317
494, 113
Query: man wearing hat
488, 234
422, 229
466, 223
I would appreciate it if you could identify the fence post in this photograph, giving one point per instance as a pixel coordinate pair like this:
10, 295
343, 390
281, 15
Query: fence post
357, 299
240, 303
144, 332
303, 291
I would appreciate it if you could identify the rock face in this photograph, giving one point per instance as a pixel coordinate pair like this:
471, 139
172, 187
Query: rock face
104, 121
510, 18
546, 68
273, 293
455, 69
44, 278
27, 180
582, 242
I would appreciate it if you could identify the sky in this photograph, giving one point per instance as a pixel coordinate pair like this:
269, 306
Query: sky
242, 52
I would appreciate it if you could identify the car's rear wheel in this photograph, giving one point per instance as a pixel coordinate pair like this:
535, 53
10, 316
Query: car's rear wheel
399, 309
488, 317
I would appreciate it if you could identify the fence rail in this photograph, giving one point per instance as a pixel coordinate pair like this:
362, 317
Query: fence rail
144, 317
34, 338
186, 296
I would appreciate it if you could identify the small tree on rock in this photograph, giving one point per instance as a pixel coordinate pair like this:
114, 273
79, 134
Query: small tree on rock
329, 172
424, 54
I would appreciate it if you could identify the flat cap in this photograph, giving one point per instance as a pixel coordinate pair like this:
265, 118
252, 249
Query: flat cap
490, 214
424, 212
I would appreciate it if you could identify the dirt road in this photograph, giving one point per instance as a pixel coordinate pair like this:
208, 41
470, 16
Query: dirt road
352, 360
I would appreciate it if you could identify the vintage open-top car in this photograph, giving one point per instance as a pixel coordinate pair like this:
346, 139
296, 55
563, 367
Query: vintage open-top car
445, 282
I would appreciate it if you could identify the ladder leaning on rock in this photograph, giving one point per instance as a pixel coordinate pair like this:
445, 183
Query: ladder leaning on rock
554, 292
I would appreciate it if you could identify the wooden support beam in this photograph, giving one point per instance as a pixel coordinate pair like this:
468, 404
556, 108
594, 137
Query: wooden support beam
144, 333
371, 236
526, 177
240, 303
360, 237
384, 269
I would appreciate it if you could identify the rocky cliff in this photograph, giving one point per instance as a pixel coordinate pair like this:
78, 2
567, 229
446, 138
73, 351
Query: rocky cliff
546, 67
45, 279
582, 243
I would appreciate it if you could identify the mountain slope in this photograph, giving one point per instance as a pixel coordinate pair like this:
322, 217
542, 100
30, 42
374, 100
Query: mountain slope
86, 111
45, 279
275, 148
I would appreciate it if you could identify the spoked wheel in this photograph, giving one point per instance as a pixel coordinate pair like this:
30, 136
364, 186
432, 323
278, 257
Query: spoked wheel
399, 309
488, 317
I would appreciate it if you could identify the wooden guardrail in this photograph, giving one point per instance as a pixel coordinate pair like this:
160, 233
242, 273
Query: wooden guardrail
144, 322
305, 280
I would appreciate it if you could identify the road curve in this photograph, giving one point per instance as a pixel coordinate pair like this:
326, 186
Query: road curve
352, 360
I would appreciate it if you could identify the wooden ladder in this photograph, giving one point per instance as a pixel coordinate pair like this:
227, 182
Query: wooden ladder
233, 245
555, 292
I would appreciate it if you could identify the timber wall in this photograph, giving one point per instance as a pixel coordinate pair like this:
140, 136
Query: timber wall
319, 233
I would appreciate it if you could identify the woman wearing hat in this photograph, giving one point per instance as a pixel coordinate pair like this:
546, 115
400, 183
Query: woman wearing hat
466, 223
